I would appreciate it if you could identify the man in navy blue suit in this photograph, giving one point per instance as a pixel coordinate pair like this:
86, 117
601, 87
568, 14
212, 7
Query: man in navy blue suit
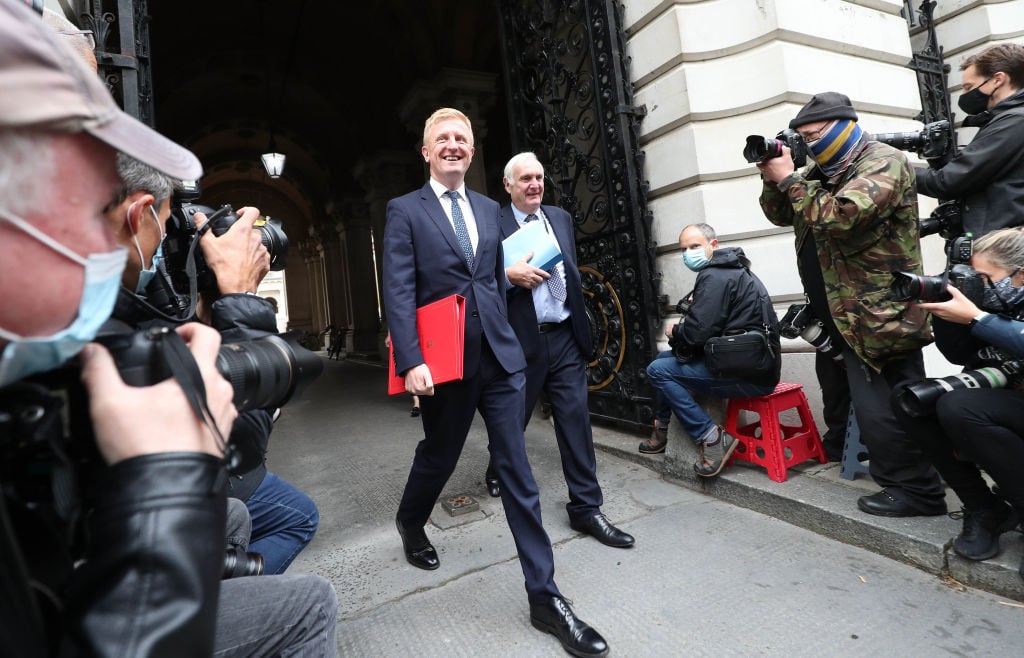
547, 313
441, 240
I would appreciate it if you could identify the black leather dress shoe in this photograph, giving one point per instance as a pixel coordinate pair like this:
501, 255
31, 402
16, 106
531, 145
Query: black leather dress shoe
493, 488
884, 503
598, 527
577, 637
418, 550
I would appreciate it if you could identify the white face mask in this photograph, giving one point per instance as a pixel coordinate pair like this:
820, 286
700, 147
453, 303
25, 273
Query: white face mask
27, 355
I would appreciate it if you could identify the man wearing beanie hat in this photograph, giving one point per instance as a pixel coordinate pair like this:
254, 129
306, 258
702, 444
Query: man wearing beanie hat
854, 214
134, 567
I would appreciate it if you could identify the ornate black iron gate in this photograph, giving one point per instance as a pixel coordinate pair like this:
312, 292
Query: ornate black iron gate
571, 103
121, 31
931, 69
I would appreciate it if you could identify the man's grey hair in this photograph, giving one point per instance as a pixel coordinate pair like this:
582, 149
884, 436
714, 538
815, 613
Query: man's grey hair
516, 160
138, 177
26, 168
706, 229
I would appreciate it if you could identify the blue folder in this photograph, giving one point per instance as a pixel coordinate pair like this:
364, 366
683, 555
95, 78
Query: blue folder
533, 236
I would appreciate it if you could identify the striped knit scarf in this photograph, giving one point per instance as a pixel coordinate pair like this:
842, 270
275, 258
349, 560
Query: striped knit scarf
834, 150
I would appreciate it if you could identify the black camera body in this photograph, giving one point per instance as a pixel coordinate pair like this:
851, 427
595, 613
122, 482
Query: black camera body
800, 322
759, 148
907, 286
179, 244
947, 220
932, 142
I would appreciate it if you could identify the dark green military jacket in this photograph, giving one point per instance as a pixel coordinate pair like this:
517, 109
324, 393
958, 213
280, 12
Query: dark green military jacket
864, 230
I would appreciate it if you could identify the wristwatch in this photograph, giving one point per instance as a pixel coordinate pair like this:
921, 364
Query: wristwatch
977, 318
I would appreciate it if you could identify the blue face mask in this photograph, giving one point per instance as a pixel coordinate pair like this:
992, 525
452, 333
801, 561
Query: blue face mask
695, 259
146, 275
1000, 293
24, 356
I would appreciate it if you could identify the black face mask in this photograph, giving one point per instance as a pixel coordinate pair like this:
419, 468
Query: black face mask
975, 101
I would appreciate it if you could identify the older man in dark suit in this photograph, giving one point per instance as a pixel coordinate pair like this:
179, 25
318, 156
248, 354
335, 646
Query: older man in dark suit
441, 240
547, 312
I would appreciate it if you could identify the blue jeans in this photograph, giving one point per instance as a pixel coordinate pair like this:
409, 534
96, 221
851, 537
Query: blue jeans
662, 407
675, 381
284, 520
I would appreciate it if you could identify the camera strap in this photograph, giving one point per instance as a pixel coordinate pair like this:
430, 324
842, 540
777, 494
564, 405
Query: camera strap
183, 367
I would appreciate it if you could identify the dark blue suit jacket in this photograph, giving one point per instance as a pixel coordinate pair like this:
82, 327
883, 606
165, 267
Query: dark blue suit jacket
521, 312
423, 263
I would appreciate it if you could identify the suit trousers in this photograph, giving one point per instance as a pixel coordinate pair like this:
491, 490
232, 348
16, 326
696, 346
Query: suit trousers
557, 369
447, 416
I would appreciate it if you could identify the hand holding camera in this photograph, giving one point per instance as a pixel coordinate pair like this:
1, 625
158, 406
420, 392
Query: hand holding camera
237, 257
957, 309
130, 421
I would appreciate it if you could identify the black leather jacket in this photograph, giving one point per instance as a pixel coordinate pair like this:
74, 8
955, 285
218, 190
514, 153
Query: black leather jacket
150, 582
243, 317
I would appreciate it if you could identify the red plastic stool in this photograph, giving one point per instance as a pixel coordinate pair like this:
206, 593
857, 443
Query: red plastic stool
768, 442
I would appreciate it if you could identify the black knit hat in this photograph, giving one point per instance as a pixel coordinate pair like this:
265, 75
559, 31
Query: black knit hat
824, 107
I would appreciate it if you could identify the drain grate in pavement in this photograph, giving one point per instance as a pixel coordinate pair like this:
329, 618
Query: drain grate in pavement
460, 504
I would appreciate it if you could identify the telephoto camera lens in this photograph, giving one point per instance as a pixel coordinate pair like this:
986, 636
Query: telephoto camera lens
239, 562
816, 334
266, 372
918, 399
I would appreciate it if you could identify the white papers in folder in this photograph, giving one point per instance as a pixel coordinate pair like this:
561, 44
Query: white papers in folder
533, 236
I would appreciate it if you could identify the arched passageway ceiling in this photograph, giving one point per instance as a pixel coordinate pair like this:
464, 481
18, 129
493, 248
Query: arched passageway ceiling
351, 66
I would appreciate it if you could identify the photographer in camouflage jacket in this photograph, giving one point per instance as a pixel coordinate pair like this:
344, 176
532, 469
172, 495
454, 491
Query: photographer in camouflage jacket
854, 213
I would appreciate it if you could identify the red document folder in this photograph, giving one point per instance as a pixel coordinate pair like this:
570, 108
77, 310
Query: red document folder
441, 326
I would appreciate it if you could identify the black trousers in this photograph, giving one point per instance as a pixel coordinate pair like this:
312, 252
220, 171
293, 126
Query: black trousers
972, 428
835, 402
897, 464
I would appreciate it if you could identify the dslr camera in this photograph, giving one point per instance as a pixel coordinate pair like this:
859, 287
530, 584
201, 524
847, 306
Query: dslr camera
183, 267
907, 286
264, 373
946, 220
759, 148
931, 142
800, 321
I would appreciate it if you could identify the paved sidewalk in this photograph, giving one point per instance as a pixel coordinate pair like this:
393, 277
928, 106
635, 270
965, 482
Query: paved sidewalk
707, 577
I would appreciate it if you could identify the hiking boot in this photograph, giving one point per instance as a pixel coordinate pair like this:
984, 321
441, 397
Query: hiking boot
979, 539
714, 454
656, 442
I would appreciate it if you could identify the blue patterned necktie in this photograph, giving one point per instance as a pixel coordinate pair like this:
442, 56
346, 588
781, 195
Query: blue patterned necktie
461, 232
555, 284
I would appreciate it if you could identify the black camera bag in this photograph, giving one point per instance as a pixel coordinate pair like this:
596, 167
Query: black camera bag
744, 355
740, 355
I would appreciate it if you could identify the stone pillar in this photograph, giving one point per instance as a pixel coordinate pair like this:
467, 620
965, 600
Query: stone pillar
361, 337
335, 271
311, 256
471, 92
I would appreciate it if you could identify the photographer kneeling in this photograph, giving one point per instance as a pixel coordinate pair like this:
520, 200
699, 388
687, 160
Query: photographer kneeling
978, 428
